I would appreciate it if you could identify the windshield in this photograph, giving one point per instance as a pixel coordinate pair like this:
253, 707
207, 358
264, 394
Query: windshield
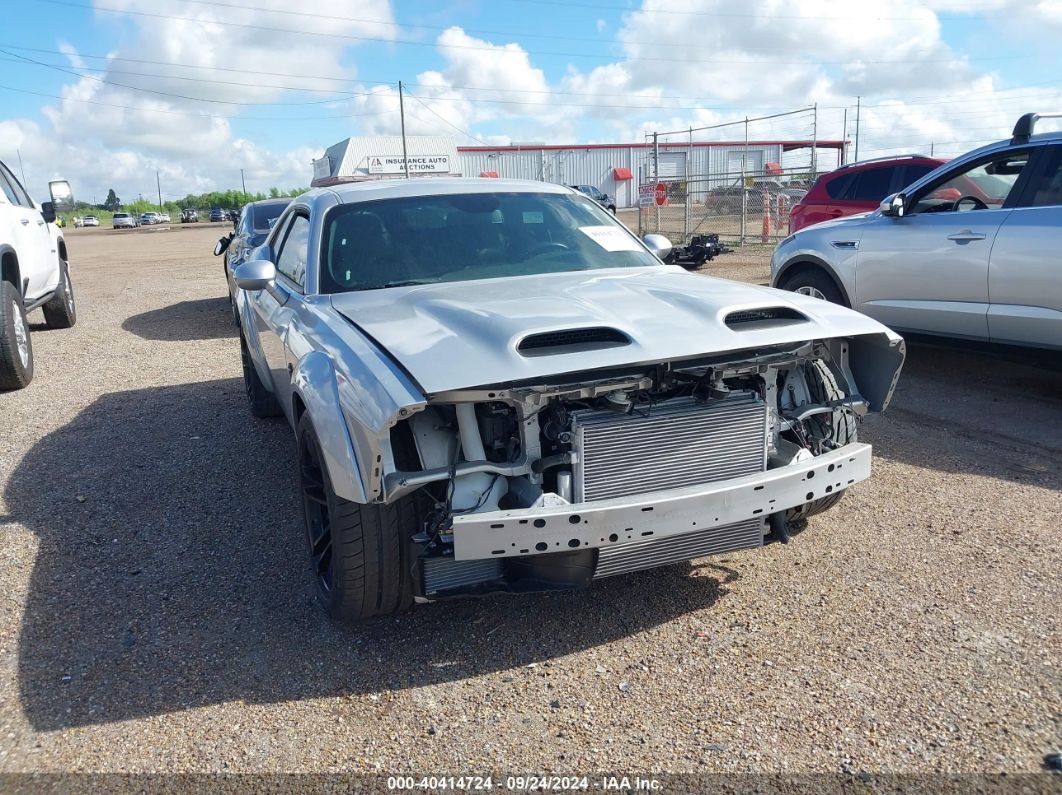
265, 215
424, 239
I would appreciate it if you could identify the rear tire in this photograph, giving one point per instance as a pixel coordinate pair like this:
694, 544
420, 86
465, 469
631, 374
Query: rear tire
816, 283
61, 311
360, 553
16, 347
263, 403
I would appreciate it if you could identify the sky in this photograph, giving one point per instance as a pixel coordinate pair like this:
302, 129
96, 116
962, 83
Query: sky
107, 93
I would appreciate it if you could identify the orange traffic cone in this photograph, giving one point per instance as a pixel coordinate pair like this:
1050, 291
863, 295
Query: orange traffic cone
766, 218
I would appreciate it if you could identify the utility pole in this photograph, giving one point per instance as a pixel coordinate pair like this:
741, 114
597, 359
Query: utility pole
843, 157
402, 119
243, 182
931, 147
656, 175
856, 158
814, 139
158, 185
21, 167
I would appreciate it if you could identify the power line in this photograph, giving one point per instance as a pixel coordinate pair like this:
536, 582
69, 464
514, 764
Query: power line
670, 11
595, 56
194, 115
446, 121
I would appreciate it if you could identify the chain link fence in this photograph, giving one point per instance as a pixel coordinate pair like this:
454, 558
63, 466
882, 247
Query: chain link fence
742, 192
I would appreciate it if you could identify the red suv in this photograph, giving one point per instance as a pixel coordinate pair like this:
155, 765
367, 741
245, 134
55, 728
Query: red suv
858, 188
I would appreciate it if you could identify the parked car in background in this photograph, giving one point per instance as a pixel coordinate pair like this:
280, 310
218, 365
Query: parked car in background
123, 221
498, 388
597, 195
189, 216
217, 214
970, 250
251, 229
164, 218
90, 220
33, 273
858, 188
751, 194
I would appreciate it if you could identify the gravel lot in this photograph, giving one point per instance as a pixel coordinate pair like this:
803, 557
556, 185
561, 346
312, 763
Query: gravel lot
157, 614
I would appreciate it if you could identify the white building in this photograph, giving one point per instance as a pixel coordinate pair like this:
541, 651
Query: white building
617, 169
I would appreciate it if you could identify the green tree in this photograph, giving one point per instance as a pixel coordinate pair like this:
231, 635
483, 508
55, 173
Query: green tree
112, 202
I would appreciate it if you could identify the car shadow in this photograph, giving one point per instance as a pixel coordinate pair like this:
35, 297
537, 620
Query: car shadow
169, 575
201, 319
977, 411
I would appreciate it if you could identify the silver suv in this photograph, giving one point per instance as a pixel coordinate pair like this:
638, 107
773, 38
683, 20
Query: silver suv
970, 250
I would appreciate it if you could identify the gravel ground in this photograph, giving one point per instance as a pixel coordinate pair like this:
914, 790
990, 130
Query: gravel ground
156, 613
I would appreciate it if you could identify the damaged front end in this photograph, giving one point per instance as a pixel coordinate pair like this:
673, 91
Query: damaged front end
550, 486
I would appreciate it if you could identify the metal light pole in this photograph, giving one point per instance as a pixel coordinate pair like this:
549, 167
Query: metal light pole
856, 158
158, 185
243, 182
815, 140
402, 120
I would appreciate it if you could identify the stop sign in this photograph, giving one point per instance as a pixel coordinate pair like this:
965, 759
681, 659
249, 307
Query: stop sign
661, 193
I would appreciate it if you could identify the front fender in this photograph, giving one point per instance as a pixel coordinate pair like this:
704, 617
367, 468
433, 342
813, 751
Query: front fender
316, 384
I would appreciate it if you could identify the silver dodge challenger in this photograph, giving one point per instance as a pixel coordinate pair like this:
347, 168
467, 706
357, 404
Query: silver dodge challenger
496, 387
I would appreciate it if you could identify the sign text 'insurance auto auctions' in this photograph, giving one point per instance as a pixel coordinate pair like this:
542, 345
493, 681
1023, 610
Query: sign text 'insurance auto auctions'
425, 164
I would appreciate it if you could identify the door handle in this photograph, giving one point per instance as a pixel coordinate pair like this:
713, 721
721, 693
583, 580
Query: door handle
966, 235
25, 221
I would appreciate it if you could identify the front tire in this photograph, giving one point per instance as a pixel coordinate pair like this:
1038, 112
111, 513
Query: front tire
16, 347
360, 553
61, 312
816, 283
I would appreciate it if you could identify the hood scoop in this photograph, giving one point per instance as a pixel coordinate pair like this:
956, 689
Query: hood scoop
576, 340
767, 317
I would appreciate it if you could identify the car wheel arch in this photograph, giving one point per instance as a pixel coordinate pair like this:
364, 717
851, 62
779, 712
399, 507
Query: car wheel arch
9, 268
804, 263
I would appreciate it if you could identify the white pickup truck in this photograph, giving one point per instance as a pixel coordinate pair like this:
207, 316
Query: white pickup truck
33, 273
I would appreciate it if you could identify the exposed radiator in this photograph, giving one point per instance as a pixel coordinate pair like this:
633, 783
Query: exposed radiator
679, 442
662, 551
442, 574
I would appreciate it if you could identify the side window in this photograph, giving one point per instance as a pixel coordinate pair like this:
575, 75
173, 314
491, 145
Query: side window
984, 184
12, 189
1046, 187
914, 173
835, 188
5, 186
292, 258
871, 185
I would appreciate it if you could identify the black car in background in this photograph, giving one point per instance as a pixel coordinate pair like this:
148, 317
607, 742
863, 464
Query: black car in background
252, 226
597, 195
217, 214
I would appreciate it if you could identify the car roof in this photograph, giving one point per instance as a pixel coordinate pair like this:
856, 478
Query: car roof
434, 186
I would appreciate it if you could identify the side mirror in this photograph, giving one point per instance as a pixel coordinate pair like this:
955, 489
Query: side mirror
893, 206
257, 274
48, 211
658, 244
222, 245
62, 195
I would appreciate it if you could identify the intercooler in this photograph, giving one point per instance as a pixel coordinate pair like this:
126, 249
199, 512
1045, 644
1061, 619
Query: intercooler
679, 442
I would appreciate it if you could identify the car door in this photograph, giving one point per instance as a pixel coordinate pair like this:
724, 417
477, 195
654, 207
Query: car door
33, 239
273, 317
1025, 272
927, 271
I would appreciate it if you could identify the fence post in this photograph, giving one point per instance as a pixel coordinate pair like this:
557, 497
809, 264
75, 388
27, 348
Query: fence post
656, 175
744, 192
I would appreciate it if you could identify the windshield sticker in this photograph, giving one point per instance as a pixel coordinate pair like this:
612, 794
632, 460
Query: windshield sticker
610, 238
532, 218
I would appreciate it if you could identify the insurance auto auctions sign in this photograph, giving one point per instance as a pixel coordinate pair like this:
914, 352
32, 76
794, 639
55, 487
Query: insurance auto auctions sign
418, 164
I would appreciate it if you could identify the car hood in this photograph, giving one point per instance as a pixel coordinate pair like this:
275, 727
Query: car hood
458, 335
